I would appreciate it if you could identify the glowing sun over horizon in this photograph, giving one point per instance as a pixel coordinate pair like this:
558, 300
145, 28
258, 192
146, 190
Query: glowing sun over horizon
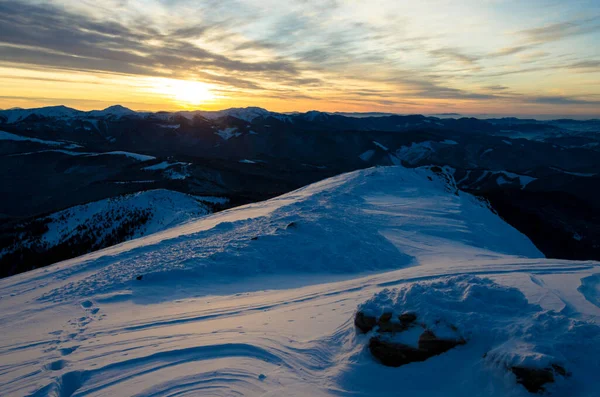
184, 92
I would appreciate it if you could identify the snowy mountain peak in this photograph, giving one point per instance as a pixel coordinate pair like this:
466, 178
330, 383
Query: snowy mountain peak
118, 109
61, 111
246, 114
113, 111
315, 115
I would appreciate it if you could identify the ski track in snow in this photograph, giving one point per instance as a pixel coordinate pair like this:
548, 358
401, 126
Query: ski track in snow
259, 300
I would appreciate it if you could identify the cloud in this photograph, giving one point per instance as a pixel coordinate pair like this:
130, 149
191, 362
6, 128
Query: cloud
562, 30
47, 36
594, 65
429, 88
379, 53
496, 87
562, 100
454, 54
510, 50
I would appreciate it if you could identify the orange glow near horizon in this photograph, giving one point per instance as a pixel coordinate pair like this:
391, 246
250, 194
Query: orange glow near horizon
428, 57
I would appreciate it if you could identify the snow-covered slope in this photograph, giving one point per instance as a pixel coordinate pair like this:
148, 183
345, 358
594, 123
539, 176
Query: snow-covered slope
165, 209
246, 114
103, 223
259, 300
7, 136
57, 112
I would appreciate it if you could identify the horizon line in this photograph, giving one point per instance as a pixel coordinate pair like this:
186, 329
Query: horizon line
544, 117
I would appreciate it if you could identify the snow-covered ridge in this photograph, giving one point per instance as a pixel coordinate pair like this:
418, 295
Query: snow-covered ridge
62, 112
246, 114
7, 136
259, 300
135, 156
59, 112
223, 242
168, 208
117, 111
116, 219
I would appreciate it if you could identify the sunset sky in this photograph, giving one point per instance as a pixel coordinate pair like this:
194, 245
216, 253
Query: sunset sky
515, 57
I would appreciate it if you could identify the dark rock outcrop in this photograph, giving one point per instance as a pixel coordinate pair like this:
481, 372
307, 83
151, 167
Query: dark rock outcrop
535, 379
366, 323
394, 354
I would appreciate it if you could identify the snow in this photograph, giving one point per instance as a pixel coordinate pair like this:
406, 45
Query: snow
116, 111
449, 142
129, 182
228, 133
136, 156
584, 174
247, 114
67, 152
366, 156
213, 199
16, 115
177, 174
171, 126
501, 181
7, 136
503, 178
163, 166
180, 171
165, 208
416, 152
259, 300
73, 146
486, 152
464, 178
499, 324
507, 142
379, 145
524, 180
246, 161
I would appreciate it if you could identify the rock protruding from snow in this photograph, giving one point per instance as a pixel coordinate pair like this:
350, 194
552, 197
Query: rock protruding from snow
385, 323
535, 380
396, 354
535, 345
394, 350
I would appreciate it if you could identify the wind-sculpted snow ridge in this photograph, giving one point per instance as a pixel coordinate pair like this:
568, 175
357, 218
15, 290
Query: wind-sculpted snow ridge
370, 220
260, 300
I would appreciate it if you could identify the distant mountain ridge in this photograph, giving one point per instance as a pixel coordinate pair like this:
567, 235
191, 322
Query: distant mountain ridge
244, 113
541, 176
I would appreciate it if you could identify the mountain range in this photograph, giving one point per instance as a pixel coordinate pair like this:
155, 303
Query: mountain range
542, 177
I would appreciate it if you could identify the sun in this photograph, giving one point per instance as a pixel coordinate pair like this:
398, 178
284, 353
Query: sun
185, 93
192, 92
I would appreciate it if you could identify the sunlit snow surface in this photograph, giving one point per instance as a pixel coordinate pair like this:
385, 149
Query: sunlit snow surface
259, 300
